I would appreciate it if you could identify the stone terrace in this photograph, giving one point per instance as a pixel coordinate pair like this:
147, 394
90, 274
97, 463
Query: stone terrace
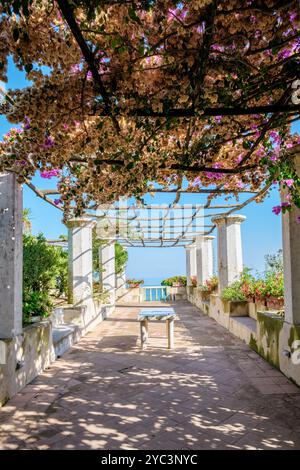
210, 392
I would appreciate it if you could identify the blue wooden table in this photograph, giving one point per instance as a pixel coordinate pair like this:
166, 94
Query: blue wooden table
160, 314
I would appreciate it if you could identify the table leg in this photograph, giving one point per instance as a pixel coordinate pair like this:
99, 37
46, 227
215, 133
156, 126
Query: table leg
170, 332
144, 333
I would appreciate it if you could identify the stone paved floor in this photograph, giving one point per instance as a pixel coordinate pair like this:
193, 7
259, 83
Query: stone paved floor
211, 392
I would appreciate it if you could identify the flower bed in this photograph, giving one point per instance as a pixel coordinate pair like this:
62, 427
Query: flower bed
175, 281
134, 283
209, 287
267, 291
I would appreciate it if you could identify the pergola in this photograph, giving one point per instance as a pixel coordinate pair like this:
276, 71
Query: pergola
186, 137
175, 225
160, 225
150, 226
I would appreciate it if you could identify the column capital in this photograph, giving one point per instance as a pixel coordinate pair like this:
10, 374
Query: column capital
231, 218
189, 247
81, 222
204, 237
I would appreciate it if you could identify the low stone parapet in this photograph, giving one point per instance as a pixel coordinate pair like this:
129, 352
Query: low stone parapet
264, 331
24, 357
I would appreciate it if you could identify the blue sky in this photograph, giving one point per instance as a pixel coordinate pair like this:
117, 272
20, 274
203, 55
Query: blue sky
261, 232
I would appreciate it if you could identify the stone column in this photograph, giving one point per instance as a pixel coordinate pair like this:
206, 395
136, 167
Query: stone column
108, 275
205, 261
188, 257
121, 280
80, 260
120, 283
291, 258
191, 265
230, 255
11, 256
193, 260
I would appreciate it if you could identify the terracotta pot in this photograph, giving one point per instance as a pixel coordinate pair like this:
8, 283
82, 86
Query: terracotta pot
133, 285
177, 284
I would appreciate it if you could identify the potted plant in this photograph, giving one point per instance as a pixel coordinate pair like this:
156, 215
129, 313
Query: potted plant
274, 292
179, 281
134, 282
175, 281
209, 286
193, 280
238, 304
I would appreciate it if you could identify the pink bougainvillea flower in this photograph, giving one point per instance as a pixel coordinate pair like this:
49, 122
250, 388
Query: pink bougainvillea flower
217, 47
289, 183
177, 13
298, 219
49, 143
268, 53
26, 123
276, 210
275, 136
76, 68
49, 173
260, 152
284, 54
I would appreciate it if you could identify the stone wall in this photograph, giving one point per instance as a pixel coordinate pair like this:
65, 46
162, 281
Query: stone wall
265, 332
24, 357
71, 323
278, 342
129, 295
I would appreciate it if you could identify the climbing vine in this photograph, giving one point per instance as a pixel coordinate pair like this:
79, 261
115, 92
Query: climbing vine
122, 94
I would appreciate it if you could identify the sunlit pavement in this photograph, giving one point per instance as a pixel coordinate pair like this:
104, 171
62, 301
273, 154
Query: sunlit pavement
210, 392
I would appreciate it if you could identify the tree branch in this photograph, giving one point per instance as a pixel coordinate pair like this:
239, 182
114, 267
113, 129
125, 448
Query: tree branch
65, 9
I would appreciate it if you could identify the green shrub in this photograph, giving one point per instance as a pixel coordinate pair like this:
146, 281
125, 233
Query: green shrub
233, 292
44, 271
271, 284
135, 281
210, 285
274, 284
170, 281
36, 304
121, 257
